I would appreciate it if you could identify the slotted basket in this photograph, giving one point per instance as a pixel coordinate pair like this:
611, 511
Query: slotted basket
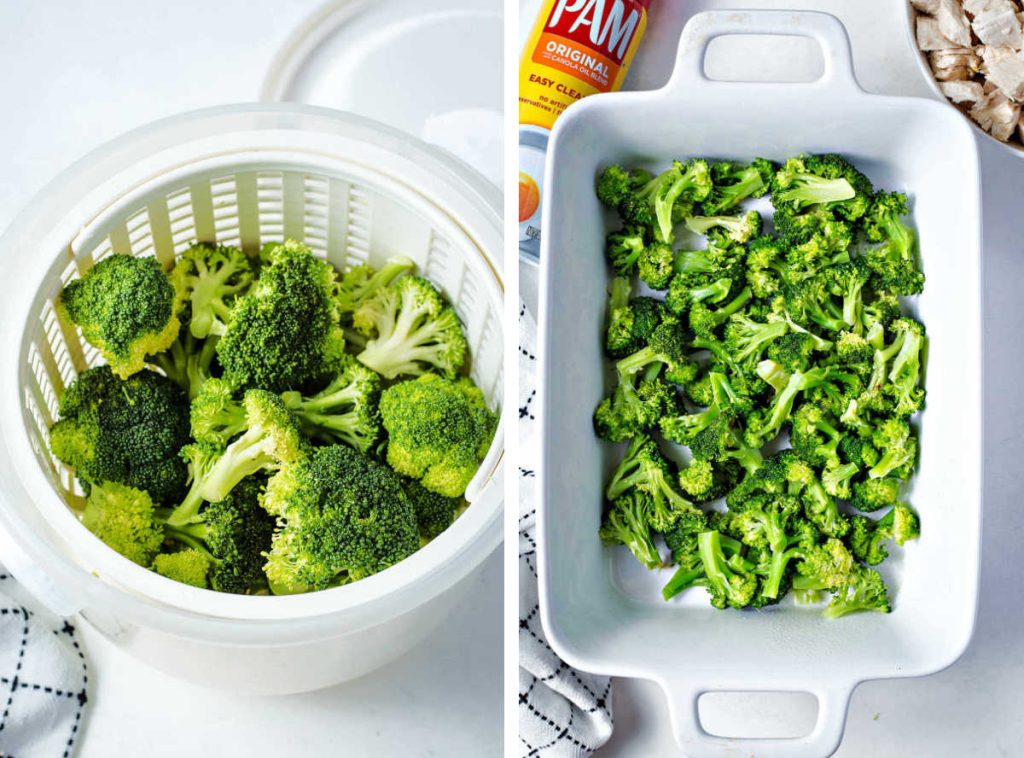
355, 192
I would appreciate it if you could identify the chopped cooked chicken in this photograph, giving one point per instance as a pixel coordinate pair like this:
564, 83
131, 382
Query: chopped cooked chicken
958, 64
962, 92
1004, 67
929, 37
997, 115
977, 7
926, 6
953, 23
997, 25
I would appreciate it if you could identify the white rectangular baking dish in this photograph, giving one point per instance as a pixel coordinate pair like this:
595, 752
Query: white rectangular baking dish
602, 616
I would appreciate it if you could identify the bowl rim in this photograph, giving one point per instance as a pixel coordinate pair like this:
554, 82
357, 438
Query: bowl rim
235, 129
921, 57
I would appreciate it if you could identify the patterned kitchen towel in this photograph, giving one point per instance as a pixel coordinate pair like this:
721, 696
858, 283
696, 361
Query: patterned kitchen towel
563, 713
43, 678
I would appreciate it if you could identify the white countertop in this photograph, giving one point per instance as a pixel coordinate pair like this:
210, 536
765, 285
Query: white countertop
77, 74
972, 708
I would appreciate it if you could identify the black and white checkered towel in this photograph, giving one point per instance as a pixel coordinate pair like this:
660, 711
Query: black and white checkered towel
43, 678
563, 713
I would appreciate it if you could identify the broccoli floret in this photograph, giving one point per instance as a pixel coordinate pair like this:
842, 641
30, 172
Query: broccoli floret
875, 494
189, 566
284, 333
734, 183
792, 351
126, 307
868, 538
683, 292
645, 469
847, 280
747, 339
434, 512
906, 367
659, 203
667, 346
704, 321
439, 431
726, 229
272, 438
126, 520
630, 321
725, 400
827, 180
211, 278
894, 261
898, 448
810, 304
728, 587
216, 416
863, 590
345, 410
628, 523
411, 330
706, 480
635, 406
615, 184
765, 425
656, 265
341, 517
765, 265
360, 283
127, 431
624, 249
233, 535
814, 436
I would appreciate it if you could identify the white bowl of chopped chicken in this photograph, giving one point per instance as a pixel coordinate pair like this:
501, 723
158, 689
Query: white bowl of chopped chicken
972, 54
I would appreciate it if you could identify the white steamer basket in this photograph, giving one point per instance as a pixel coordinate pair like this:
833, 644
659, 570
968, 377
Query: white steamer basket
601, 610
353, 190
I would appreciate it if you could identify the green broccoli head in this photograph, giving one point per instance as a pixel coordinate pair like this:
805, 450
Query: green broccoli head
284, 333
126, 307
434, 512
615, 184
725, 230
126, 520
635, 407
126, 431
628, 523
341, 517
439, 431
630, 320
734, 183
345, 410
410, 330
211, 278
863, 590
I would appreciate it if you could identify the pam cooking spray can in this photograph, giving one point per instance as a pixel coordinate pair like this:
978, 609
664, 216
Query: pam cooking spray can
576, 48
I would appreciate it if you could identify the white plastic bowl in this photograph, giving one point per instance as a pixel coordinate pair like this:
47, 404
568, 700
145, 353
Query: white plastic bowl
355, 191
921, 57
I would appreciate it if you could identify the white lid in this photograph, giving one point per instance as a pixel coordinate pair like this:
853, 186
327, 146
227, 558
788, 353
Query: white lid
431, 68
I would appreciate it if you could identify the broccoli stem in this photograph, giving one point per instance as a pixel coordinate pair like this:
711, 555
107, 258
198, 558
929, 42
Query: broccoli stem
683, 579
243, 457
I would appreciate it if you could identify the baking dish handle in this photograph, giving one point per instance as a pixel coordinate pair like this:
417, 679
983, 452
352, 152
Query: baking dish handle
821, 741
827, 30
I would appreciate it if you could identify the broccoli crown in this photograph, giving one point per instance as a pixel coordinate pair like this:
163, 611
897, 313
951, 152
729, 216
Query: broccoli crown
341, 517
216, 416
360, 283
284, 332
439, 431
734, 183
666, 345
211, 278
125, 519
863, 590
411, 330
628, 523
615, 184
272, 438
644, 469
189, 566
630, 321
727, 229
434, 512
635, 407
345, 410
126, 307
126, 431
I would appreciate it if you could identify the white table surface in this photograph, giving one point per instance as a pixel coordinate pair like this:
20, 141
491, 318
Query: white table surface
77, 73
972, 708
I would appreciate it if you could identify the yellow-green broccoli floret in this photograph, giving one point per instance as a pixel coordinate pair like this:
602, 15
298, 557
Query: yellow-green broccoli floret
360, 283
189, 566
211, 278
126, 520
126, 307
434, 512
439, 431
